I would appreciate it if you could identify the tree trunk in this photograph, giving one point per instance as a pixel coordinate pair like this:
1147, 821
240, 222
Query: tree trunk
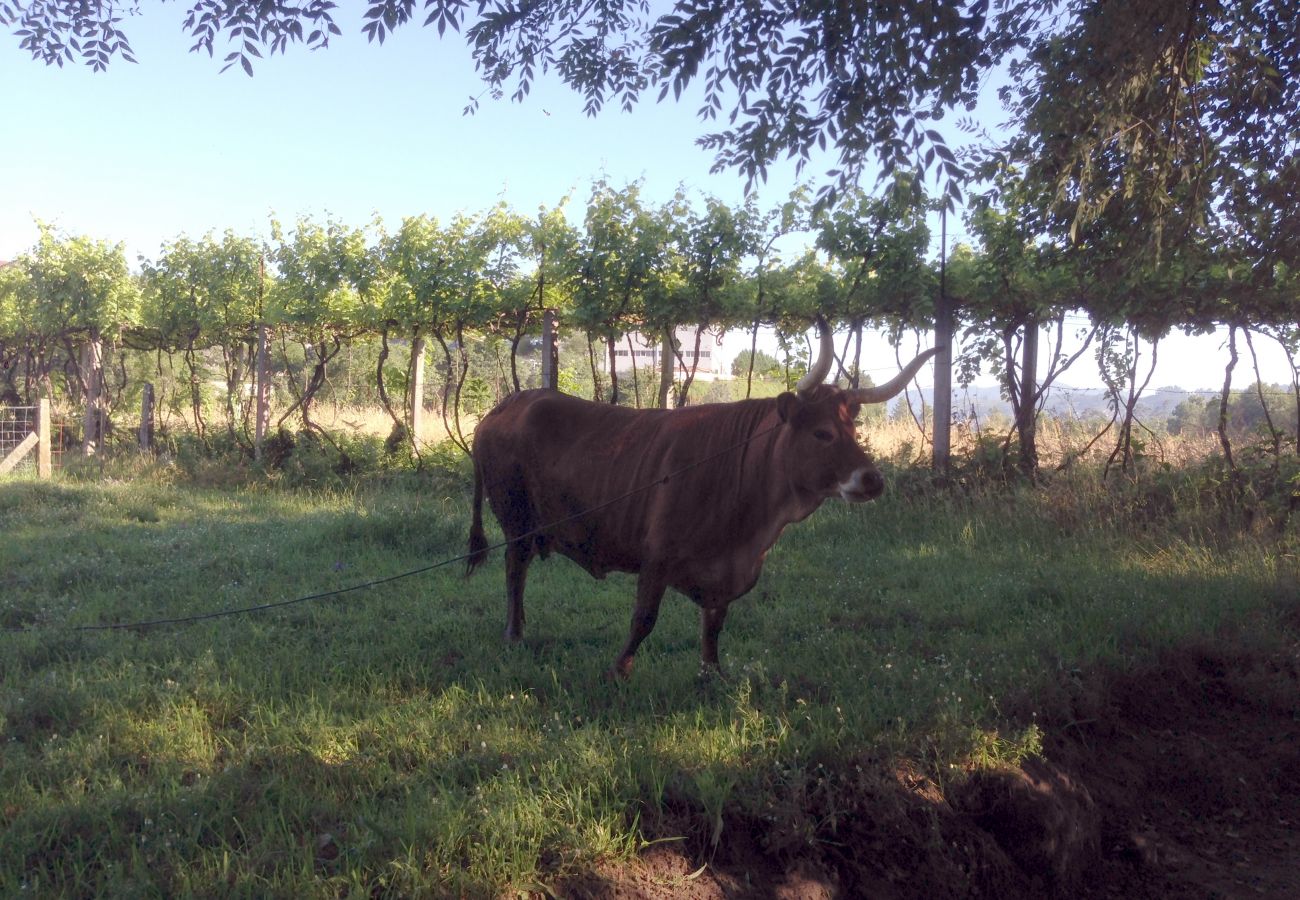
690, 370
452, 383
230, 362
460, 384
315, 381
380, 382
1263, 403
521, 324
1124, 446
597, 391
196, 395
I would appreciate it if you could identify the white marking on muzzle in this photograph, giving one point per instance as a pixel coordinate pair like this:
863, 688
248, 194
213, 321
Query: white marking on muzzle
856, 489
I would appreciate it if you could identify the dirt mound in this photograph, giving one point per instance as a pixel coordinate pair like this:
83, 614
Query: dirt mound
1196, 765
1182, 780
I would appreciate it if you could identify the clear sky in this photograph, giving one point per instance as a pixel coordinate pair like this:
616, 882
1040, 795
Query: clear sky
144, 153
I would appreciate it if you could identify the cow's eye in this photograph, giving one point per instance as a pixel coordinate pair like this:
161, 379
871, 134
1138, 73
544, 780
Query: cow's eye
823, 435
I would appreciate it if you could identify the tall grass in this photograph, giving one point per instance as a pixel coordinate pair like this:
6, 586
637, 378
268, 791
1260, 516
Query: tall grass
387, 741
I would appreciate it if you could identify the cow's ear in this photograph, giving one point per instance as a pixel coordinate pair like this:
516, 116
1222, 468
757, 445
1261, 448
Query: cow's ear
787, 405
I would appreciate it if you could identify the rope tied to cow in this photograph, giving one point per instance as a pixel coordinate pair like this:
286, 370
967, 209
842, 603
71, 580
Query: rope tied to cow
281, 604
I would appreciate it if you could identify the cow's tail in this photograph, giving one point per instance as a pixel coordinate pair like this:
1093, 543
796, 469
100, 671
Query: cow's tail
478, 545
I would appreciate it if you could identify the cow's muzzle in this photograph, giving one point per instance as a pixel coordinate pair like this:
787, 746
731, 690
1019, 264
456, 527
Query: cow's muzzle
863, 485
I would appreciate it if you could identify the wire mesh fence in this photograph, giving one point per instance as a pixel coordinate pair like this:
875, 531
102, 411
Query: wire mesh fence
18, 425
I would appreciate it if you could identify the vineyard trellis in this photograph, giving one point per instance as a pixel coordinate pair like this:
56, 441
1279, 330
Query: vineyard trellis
231, 326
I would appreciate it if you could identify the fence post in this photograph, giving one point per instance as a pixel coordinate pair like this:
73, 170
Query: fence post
943, 328
549, 356
43, 467
146, 418
92, 368
1027, 420
263, 404
417, 388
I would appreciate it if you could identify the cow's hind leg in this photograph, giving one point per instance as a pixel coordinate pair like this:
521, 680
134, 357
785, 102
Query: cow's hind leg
650, 588
518, 555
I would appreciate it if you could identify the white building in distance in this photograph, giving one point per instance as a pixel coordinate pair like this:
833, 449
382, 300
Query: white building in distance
714, 363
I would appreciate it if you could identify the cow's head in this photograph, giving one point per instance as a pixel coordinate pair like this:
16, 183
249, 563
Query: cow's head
824, 457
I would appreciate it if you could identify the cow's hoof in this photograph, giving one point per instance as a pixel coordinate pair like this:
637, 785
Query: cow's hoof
514, 637
617, 673
710, 673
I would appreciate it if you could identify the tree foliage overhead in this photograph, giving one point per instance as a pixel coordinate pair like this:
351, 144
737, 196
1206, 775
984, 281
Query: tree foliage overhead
780, 78
1141, 123
1152, 125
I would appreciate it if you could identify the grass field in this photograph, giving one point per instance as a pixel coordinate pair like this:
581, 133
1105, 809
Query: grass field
388, 742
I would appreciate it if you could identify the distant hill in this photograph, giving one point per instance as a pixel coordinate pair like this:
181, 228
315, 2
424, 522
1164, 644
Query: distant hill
1155, 404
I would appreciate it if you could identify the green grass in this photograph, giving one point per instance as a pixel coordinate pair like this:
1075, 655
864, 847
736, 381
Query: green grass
387, 741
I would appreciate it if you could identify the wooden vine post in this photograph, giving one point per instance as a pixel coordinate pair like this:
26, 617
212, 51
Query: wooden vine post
262, 416
146, 417
92, 377
550, 358
943, 328
1027, 412
417, 388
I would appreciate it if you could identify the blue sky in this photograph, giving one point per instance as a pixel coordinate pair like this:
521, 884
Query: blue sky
144, 153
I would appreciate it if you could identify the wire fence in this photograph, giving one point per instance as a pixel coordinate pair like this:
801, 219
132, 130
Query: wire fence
17, 423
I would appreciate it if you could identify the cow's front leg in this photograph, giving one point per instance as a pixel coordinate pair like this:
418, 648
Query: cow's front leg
650, 588
711, 619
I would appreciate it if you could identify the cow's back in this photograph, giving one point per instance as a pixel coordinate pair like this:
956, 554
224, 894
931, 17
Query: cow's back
617, 487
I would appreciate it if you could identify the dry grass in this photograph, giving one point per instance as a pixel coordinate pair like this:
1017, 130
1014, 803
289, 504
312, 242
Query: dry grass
900, 440
373, 420
1058, 440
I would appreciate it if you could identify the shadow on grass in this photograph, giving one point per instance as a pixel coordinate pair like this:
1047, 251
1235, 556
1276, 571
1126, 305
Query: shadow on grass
389, 740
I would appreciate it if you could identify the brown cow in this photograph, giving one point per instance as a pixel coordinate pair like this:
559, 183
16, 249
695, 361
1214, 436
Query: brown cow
690, 499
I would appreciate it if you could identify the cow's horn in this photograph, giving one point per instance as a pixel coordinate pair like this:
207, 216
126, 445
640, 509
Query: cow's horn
820, 369
883, 392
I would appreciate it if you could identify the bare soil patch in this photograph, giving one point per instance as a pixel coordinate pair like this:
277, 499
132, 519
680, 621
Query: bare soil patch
1181, 780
